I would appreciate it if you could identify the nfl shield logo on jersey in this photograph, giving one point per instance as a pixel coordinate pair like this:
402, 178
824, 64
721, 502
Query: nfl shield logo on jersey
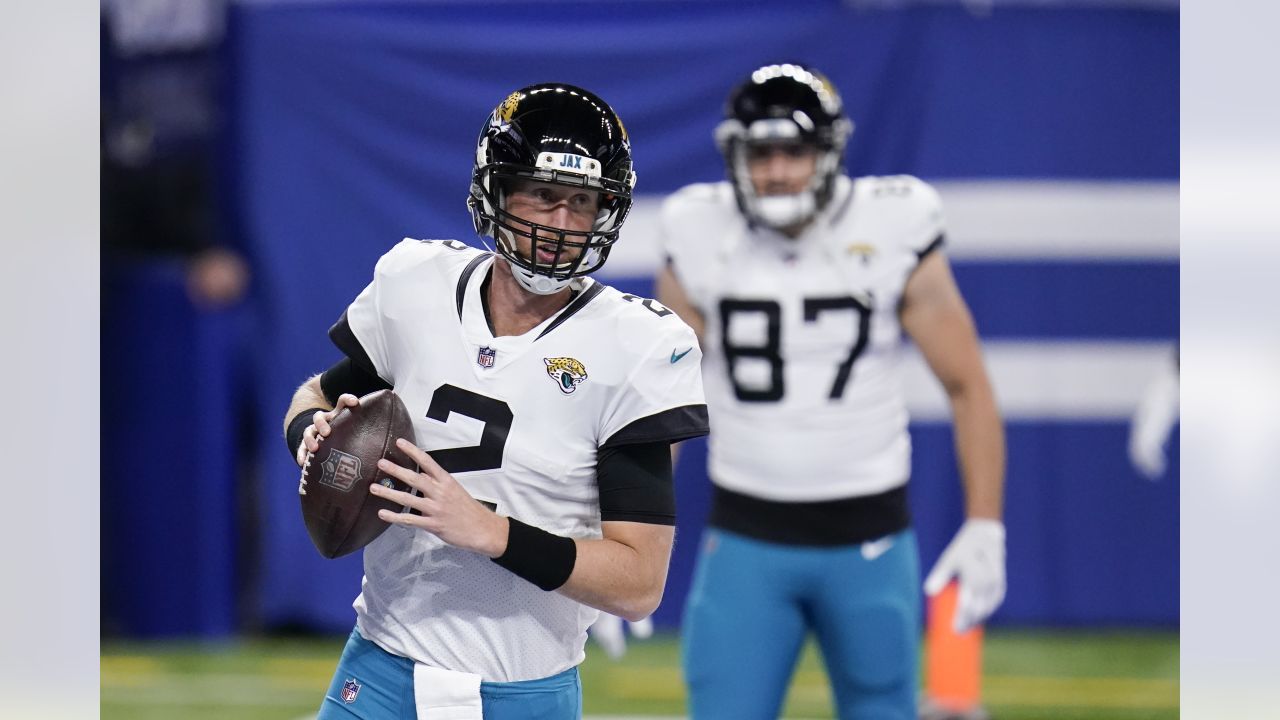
485, 357
350, 689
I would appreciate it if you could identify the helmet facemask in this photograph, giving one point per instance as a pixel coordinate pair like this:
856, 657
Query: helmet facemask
576, 252
778, 211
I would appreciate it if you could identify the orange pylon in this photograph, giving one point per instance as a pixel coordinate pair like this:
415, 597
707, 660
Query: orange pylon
953, 663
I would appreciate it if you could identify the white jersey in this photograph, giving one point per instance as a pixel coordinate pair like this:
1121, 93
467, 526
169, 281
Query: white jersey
518, 421
802, 335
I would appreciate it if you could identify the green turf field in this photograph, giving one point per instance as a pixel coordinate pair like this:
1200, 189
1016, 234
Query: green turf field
1045, 676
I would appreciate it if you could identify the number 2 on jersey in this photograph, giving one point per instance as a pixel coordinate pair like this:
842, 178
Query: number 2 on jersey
496, 416
771, 350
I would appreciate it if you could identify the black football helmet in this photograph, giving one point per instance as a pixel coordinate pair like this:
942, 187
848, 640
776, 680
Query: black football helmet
782, 103
559, 134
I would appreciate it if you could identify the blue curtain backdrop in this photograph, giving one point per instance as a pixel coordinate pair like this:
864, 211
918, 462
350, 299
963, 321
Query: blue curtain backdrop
353, 125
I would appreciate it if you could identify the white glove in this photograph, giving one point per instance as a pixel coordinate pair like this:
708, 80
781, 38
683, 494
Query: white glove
1152, 421
976, 557
607, 631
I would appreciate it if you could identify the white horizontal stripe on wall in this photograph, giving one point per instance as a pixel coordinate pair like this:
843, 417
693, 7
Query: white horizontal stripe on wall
989, 220
1050, 381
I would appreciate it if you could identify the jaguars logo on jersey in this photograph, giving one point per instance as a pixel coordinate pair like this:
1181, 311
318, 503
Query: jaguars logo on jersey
567, 373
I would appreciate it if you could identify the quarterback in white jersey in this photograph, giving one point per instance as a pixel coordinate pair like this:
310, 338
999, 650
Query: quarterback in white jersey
543, 403
519, 420
801, 283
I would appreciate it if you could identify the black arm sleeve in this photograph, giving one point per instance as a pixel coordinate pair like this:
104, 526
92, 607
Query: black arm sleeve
346, 340
635, 483
348, 377
668, 426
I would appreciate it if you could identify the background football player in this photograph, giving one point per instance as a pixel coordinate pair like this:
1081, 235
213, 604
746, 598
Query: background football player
800, 282
544, 404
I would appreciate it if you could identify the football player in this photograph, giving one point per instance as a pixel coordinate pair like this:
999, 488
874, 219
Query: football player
800, 282
544, 405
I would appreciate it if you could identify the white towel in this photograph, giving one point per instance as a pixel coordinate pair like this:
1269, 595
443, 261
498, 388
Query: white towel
445, 694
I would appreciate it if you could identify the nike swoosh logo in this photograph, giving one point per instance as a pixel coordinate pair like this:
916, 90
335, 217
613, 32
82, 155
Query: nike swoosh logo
676, 358
876, 548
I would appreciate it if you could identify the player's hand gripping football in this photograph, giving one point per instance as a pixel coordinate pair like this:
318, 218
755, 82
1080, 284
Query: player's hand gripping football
607, 631
447, 509
320, 429
976, 557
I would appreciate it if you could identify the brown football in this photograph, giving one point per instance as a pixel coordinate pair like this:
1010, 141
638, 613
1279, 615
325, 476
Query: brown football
340, 514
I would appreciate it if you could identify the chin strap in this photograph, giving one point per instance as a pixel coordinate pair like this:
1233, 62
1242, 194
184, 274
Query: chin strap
534, 283
538, 284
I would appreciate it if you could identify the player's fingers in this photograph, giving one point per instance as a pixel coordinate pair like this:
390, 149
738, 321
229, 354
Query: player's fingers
425, 462
939, 576
983, 605
309, 439
991, 599
412, 478
960, 623
346, 400
321, 423
404, 518
965, 609
417, 502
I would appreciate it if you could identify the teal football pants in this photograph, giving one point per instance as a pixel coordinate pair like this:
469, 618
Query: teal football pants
752, 603
379, 686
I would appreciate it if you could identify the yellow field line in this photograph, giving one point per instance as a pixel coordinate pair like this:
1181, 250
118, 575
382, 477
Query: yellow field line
1109, 692
1007, 690
665, 683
